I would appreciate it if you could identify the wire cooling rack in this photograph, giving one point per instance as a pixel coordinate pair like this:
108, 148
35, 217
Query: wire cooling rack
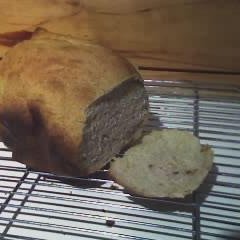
41, 206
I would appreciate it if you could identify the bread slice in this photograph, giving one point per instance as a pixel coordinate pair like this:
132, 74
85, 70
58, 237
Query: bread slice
167, 163
67, 106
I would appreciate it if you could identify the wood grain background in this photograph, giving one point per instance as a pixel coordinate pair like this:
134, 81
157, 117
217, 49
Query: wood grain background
164, 36
171, 39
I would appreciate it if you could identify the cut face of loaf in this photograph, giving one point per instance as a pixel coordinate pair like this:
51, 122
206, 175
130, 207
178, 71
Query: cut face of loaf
68, 107
168, 163
113, 121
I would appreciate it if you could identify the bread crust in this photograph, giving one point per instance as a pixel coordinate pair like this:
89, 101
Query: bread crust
47, 84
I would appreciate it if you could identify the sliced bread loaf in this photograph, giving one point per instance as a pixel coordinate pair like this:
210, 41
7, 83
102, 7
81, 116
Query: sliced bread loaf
67, 106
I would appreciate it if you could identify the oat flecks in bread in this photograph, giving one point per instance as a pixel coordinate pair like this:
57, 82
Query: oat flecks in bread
168, 163
65, 103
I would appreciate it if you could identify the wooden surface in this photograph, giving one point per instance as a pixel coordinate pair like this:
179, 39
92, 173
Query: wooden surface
199, 35
178, 39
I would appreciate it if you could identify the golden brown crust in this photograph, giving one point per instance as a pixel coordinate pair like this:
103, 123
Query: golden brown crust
57, 78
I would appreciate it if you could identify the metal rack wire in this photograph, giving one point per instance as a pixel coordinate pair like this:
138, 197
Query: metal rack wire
41, 206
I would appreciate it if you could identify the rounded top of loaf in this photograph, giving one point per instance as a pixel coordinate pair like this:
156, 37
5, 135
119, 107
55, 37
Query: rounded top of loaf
58, 77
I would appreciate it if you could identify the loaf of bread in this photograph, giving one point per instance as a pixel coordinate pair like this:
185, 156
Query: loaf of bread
19, 18
67, 106
168, 163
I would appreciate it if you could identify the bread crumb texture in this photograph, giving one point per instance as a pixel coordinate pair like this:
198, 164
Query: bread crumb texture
168, 163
